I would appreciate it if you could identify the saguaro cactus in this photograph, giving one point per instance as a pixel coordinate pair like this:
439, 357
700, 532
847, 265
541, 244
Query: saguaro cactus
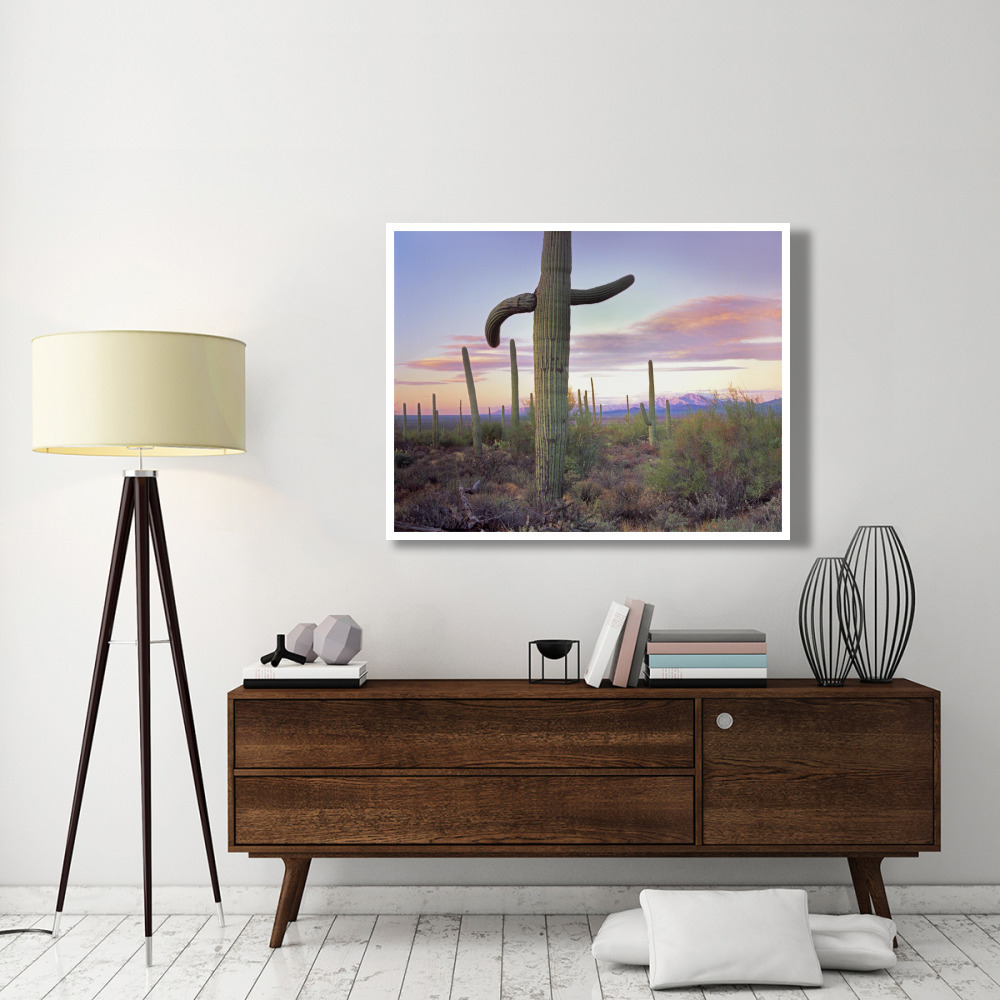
515, 403
434, 419
652, 407
550, 302
420, 420
405, 428
593, 399
477, 430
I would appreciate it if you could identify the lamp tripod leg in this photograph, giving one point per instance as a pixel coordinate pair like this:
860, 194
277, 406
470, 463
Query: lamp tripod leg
125, 513
142, 621
183, 689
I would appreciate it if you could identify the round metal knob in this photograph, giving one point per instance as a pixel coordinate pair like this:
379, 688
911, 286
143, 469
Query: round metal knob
724, 720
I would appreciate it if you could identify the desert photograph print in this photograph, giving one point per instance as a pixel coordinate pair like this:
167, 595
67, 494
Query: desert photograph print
582, 381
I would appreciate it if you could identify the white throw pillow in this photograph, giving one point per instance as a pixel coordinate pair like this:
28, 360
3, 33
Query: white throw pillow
623, 938
859, 942
714, 936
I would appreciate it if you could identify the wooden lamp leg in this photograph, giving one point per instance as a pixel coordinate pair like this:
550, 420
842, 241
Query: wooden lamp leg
125, 514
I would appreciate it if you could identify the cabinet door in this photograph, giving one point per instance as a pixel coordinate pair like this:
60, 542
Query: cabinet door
819, 772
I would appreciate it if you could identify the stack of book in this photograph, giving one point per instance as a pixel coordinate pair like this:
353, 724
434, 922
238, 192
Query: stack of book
620, 651
306, 675
707, 658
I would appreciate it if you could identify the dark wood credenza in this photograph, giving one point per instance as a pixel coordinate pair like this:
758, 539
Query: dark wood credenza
463, 768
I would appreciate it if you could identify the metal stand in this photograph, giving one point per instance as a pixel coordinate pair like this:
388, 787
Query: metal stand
141, 502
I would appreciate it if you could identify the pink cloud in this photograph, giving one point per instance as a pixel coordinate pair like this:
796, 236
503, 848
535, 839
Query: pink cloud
715, 328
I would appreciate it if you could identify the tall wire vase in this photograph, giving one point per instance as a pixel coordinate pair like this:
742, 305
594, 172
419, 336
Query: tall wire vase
882, 571
830, 614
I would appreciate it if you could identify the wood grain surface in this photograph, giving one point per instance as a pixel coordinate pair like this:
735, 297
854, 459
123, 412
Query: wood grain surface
485, 732
602, 807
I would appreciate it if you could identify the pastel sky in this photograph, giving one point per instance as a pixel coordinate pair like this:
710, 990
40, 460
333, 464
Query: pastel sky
705, 307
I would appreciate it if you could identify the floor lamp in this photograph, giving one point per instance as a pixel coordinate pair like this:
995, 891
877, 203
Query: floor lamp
139, 393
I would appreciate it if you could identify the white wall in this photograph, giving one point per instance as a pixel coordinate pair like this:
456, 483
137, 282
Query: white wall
229, 168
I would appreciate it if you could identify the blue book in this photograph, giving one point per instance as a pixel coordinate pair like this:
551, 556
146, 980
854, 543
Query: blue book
723, 661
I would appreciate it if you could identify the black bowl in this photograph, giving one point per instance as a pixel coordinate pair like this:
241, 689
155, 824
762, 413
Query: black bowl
554, 649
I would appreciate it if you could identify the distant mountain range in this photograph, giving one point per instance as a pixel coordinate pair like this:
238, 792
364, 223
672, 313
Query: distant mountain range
679, 405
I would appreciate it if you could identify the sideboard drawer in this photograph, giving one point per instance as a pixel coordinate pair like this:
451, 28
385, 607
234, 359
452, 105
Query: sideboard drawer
449, 733
819, 771
484, 808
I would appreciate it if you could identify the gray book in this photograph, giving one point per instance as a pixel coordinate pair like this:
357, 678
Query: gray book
638, 656
706, 635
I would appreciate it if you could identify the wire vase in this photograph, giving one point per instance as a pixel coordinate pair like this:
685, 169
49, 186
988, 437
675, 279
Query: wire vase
830, 616
889, 597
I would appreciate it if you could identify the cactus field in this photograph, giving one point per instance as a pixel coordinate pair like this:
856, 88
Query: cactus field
714, 470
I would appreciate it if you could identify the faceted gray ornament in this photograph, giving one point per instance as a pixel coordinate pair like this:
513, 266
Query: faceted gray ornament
300, 640
337, 639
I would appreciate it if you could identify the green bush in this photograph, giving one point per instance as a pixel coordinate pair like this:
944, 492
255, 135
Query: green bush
724, 459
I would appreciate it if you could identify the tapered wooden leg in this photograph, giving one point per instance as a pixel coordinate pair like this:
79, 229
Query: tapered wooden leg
866, 873
297, 902
125, 512
294, 882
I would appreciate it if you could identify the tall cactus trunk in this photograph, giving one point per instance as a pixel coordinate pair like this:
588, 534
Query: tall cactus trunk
420, 420
593, 399
461, 419
405, 428
434, 420
669, 425
515, 403
531, 406
503, 418
579, 406
477, 430
628, 412
551, 340
652, 407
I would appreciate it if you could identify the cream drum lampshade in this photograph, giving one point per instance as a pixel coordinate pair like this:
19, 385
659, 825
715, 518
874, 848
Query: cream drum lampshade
113, 392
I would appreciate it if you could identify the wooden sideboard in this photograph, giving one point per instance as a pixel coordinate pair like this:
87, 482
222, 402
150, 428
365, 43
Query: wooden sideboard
461, 768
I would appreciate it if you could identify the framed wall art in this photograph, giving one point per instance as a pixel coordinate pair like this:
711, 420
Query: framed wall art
587, 381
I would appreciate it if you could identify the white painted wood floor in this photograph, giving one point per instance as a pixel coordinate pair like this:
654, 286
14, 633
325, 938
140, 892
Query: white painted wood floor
432, 958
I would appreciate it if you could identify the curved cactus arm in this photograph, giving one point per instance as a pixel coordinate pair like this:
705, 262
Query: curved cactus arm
524, 303
588, 296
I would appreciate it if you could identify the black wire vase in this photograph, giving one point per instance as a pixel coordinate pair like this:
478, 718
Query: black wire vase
889, 598
830, 615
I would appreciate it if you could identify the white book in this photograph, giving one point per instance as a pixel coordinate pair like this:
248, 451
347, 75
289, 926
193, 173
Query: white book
707, 673
306, 671
605, 652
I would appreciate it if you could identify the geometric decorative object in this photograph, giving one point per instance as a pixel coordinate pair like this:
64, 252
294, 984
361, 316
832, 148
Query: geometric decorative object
882, 571
830, 616
300, 641
139, 393
554, 649
281, 652
337, 639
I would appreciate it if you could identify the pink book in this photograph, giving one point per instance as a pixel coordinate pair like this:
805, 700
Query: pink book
706, 647
630, 637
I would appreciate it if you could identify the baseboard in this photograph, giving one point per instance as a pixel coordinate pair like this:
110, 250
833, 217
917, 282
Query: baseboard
459, 899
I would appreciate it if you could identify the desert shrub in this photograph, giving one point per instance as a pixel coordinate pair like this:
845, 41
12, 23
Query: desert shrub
492, 431
585, 447
628, 501
586, 491
730, 452
626, 432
